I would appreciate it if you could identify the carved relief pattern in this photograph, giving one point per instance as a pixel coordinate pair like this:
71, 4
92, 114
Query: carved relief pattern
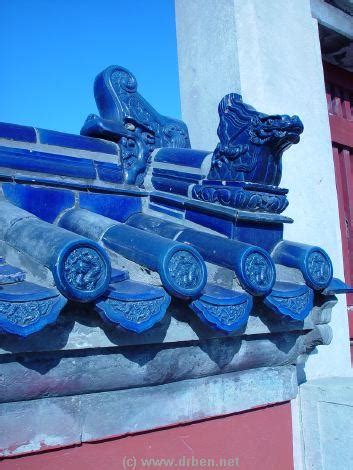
266, 129
227, 314
135, 153
136, 312
175, 135
241, 198
319, 267
185, 270
84, 269
26, 313
228, 162
258, 271
295, 304
124, 80
146, 131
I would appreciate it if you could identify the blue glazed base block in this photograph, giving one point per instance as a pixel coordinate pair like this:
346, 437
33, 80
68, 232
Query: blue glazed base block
246, 197
291, 300
223, 309
257, 228
133, 305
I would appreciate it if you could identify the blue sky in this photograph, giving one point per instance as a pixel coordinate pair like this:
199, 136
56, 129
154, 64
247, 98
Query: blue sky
51, 51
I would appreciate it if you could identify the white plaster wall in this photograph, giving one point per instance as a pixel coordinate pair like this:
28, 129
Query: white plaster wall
269, 51
208, 64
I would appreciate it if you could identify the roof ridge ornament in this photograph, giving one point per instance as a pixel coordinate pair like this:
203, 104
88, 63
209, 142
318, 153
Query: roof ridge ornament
128, 119
251, 143
250, 154
205, 234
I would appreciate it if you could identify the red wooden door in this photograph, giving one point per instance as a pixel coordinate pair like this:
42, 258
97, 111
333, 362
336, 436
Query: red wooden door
339, 93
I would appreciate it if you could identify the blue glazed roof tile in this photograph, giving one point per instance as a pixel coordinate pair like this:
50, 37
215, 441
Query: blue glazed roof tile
16, 132
133, 305
224, 309
291, 300
75, 141
26, 308
56, 201
42, 162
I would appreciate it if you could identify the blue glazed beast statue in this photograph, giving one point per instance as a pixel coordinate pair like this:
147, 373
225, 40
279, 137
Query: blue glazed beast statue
251, 143
126, 218
127, 118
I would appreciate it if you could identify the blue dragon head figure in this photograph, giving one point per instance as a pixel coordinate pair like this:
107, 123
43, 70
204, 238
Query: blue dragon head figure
251, 143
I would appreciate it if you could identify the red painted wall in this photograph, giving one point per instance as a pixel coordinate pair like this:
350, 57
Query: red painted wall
339, 93
252, 440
